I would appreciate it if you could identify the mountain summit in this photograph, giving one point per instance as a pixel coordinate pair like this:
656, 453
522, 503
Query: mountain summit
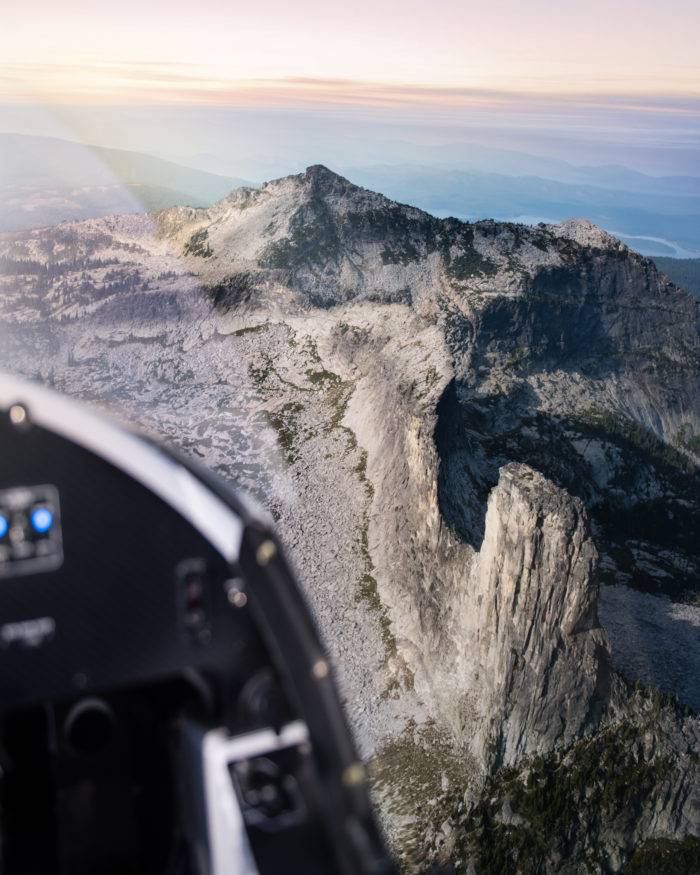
548, 294
324, 182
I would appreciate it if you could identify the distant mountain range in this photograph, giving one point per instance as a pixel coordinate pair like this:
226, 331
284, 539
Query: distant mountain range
44, 181
655, 216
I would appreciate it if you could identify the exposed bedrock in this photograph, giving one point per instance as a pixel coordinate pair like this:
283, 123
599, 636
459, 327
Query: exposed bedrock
543, 660
505, 642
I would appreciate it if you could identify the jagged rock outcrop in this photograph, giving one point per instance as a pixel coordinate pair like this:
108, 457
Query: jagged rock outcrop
505, 640
543, 658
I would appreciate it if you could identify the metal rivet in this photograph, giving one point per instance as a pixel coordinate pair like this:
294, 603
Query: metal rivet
235, 594
320, 669
237, 598
354, 775
18, 414
266, 551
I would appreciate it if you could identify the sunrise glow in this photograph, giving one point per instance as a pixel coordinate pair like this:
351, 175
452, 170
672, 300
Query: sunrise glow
376, 54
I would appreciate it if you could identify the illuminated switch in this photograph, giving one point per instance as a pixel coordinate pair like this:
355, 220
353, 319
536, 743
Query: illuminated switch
41, 520
31, 539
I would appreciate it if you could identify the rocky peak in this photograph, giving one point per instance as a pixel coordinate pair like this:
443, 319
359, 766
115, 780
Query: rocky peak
543, 658
564, 292
317, 182
324, 182
585, 233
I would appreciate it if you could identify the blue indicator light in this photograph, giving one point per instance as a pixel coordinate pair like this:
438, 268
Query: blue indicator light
4, 526
42, 520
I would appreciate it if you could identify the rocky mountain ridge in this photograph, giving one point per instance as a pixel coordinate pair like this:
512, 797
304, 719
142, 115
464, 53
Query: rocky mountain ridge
472, 424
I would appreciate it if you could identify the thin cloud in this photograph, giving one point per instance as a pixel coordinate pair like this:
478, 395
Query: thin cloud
118, 82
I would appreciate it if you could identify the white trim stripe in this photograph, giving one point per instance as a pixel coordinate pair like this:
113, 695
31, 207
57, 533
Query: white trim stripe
145, 463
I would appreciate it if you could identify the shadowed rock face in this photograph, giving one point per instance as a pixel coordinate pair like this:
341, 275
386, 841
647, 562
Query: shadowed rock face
543, 658
623, 799
428, 406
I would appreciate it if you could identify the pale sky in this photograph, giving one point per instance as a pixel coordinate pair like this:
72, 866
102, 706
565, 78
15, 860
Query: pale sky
367, 52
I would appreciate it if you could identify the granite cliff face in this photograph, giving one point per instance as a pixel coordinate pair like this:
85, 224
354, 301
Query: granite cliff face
542, 654
462, 430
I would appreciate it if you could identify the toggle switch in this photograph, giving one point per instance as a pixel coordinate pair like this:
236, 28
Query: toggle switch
193, 587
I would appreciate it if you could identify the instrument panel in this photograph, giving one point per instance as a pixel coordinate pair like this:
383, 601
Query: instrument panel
102, 582
30, 530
